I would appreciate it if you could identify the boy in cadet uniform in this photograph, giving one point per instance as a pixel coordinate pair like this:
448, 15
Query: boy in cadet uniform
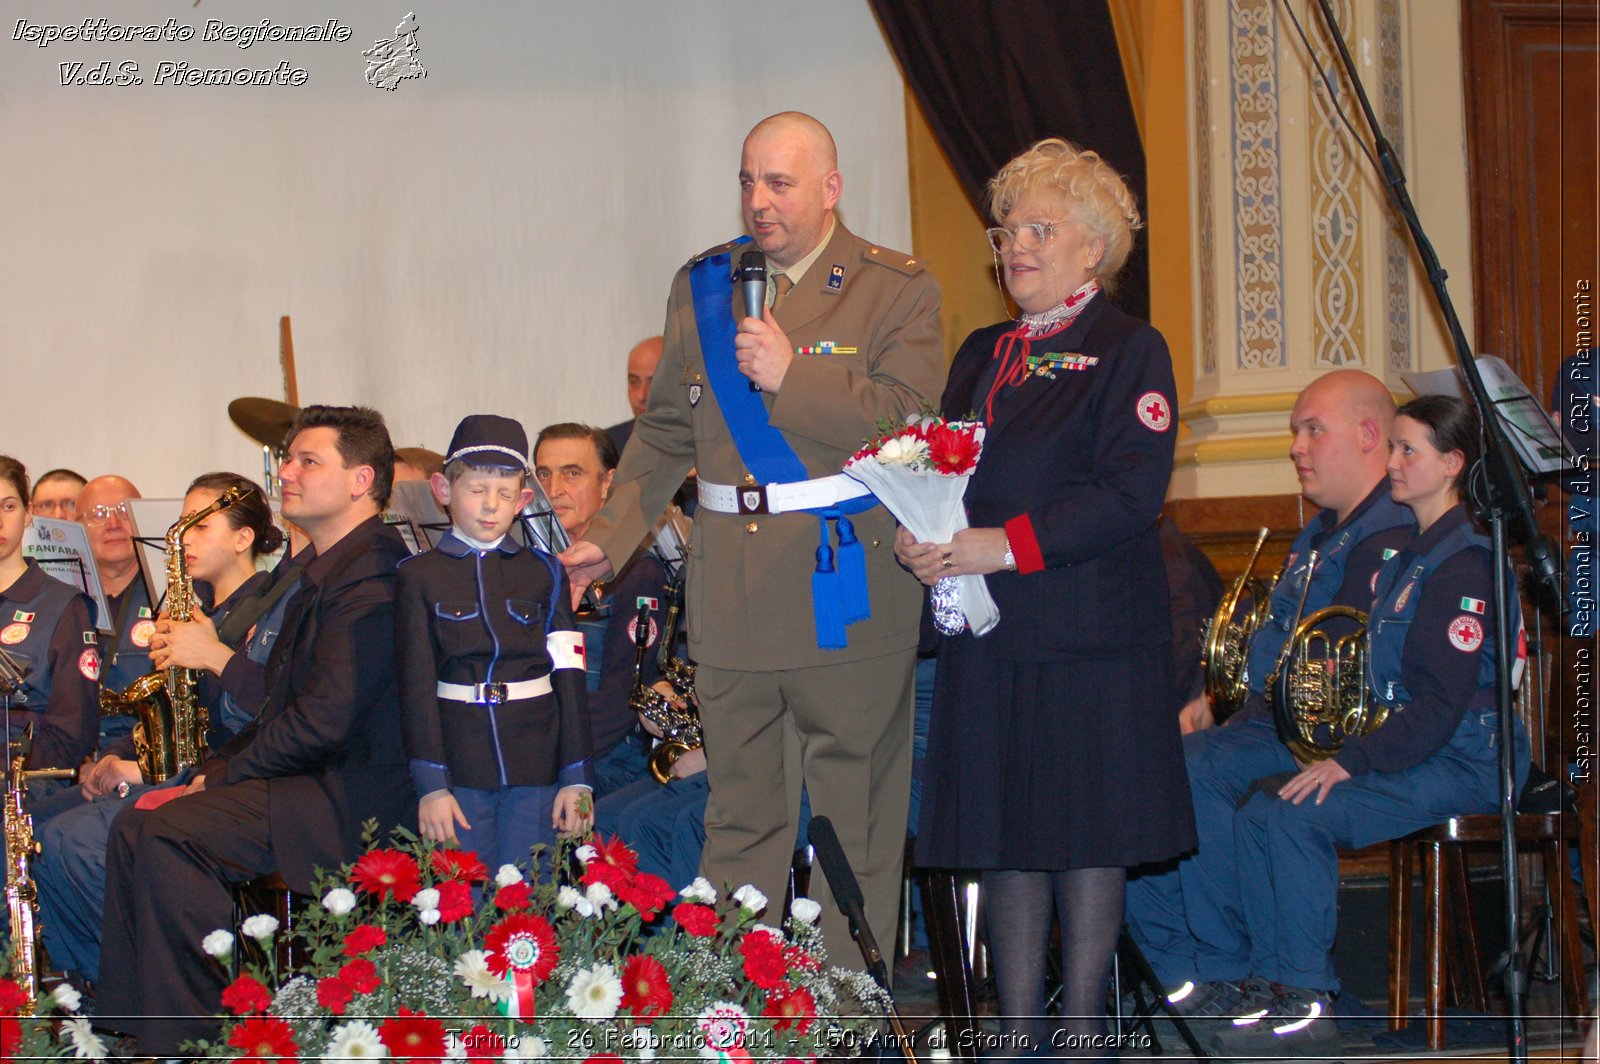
492, 698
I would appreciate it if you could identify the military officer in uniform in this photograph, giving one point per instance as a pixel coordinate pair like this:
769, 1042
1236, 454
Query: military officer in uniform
781, 564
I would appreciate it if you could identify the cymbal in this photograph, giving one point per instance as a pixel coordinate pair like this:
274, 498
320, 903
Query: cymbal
266, 421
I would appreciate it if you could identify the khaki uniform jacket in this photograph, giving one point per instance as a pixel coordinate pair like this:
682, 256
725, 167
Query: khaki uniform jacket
748, 596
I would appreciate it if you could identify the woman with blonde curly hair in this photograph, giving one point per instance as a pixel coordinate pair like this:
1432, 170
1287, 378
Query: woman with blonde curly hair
1054, 762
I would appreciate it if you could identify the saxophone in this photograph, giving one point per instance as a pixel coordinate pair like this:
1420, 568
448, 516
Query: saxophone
22, 897
680, 728
171, 732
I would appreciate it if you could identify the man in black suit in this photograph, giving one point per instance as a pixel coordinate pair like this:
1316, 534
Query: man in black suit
290, 792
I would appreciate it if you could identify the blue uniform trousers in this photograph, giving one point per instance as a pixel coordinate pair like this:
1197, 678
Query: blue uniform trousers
70, 874
1260, 896
506, 823
623, 765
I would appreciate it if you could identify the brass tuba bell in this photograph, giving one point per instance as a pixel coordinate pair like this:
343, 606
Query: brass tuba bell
680, 728
1225, 644
1318, 689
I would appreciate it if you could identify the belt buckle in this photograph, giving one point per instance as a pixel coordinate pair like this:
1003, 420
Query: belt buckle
752, 500
489, 693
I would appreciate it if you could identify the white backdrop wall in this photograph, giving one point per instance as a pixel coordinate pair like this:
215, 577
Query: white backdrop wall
493, 237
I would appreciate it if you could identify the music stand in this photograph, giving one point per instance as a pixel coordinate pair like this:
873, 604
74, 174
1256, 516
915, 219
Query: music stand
61, 549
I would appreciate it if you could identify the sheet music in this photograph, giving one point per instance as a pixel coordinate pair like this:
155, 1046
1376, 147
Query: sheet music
62, 550
1538, 443
150, 519
416, 514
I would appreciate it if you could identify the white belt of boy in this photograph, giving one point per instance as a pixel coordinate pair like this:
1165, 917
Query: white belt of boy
780, 498
493, 694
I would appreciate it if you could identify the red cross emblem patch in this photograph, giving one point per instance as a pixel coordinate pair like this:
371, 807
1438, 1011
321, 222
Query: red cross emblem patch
1154, 412
1466, 633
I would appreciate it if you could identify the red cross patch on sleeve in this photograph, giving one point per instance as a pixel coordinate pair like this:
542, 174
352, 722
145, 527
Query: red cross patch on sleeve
89, 665
1154, 411
1466, 633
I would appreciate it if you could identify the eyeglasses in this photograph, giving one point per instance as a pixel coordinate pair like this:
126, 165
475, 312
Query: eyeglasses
1029, 237
99, 515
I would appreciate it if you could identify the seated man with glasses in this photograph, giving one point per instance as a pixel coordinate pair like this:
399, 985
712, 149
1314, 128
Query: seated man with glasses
125, 652
55, 495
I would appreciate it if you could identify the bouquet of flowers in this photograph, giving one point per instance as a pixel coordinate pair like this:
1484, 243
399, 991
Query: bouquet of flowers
47, 1029
920, 472
422, 953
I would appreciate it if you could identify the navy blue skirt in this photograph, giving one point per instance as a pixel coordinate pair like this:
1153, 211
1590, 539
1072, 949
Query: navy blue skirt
1053, 765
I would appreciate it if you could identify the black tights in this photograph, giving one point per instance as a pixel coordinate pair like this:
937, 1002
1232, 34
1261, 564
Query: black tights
1019, 906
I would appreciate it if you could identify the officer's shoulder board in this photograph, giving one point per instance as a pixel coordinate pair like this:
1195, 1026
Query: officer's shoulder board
720, 249
898, 261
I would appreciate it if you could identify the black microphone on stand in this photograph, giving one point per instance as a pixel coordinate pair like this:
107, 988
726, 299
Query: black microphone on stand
847, 893
753, 286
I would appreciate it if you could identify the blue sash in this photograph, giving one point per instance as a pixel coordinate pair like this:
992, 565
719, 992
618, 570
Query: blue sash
838, 591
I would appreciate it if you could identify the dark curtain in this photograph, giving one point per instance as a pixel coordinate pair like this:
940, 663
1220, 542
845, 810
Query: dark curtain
993, 76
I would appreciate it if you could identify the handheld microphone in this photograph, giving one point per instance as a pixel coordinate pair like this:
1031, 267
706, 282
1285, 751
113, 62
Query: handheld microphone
753, 285
753, 282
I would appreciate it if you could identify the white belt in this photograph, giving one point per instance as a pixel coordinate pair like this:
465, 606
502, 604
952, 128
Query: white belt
493, 693
780, 498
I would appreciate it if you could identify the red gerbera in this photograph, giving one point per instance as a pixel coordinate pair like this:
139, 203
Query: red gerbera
791, 1006
413, 1036
459, 864
384, 872
334, 994
516, 896
455, 900
263, 1038
13, 999
522, 942
763, 959
953, 450
364, 939
699, 920
613, 864
647, 893
245, 995
646, 989
614, 851
360, 975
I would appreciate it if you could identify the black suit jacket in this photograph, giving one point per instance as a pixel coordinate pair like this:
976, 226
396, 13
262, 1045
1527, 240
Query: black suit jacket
327, 740
1076, 469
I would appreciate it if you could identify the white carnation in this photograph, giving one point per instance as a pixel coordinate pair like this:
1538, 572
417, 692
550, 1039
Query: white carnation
750, 899
805, 910
428, 917
587, 853
600, 896
259, 927
218, 944
570, 898
66, 997
508, 874
700, 891
339, 901
425, 899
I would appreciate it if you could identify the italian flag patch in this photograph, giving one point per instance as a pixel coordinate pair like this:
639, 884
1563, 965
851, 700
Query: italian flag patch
1472, 605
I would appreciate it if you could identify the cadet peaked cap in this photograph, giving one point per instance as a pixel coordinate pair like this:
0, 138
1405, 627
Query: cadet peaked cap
489, 440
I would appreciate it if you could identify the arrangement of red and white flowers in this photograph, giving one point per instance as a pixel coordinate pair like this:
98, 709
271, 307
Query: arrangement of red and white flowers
920, 471
47, 1029
421, 954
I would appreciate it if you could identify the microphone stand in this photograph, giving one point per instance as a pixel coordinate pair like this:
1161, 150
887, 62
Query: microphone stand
1507, 507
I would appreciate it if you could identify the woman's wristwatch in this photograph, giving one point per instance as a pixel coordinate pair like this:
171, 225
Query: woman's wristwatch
1011, 557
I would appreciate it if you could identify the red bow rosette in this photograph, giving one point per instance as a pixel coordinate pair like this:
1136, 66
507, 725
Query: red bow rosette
523, 949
